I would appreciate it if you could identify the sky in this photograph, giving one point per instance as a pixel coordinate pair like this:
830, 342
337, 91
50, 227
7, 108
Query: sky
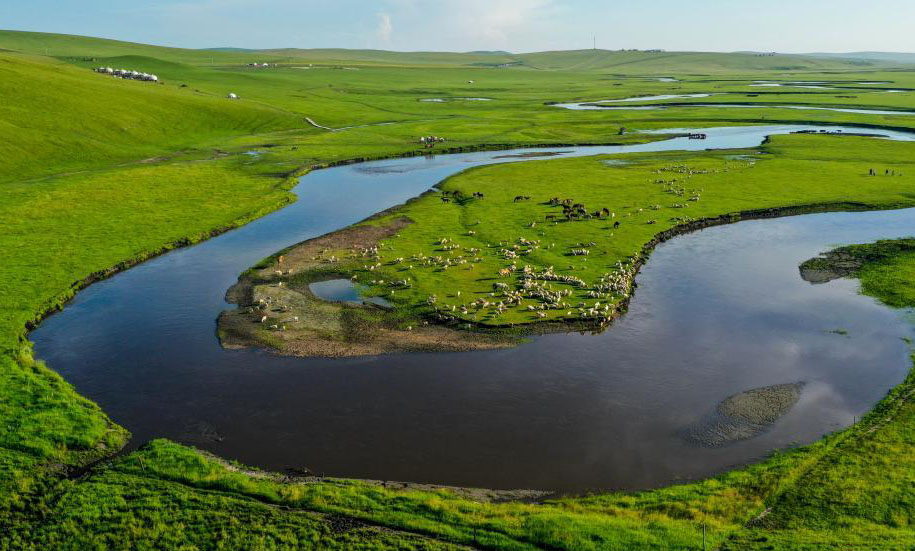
789, 26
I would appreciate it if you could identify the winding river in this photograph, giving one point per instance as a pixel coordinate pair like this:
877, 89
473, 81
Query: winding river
594, 105
716, 312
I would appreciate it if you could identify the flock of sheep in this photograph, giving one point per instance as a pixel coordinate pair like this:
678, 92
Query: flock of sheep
528, 290
125, 73
540, 292
532, 290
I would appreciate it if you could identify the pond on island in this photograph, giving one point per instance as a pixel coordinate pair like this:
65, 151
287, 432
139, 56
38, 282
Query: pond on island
343, 290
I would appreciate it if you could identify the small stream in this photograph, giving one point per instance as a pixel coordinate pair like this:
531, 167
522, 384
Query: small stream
716, 312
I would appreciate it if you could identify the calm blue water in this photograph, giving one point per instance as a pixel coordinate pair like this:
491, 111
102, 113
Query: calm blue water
716, 312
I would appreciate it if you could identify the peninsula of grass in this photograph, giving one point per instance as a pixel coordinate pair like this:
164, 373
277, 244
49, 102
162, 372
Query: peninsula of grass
520, 248
884, 269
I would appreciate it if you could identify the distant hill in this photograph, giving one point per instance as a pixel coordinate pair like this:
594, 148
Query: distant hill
635, 62
659, 62
60, 115
227, 50
893, 57
342, 55
74, 46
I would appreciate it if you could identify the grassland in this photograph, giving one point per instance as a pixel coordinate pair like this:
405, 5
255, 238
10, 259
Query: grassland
97, 174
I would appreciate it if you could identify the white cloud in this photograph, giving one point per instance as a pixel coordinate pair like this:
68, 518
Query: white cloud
457, 25
384, 29
495, 22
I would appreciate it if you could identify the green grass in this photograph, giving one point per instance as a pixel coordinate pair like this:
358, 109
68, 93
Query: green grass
98, 173
890, 276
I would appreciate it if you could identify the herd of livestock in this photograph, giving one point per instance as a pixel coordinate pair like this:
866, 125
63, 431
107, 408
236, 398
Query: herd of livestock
430, 141
128, 74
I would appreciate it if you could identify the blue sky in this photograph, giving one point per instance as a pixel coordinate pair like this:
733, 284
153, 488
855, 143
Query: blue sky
463, 25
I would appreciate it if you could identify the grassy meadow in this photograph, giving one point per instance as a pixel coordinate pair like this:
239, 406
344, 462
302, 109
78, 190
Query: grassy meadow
98, 173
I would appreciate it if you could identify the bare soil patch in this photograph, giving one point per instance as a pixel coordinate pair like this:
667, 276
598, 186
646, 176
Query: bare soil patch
745, 415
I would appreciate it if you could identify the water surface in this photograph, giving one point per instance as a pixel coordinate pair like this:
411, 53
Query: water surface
343, 290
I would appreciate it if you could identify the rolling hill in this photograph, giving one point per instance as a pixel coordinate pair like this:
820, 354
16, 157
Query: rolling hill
638, 62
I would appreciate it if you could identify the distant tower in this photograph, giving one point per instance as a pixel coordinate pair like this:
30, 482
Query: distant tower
594, 37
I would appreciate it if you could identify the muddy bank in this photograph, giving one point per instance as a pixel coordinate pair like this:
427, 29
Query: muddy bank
304, 476
847, 261
277, 309
745, 415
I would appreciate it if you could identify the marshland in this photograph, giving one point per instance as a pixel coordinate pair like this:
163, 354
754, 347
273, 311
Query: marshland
412, 302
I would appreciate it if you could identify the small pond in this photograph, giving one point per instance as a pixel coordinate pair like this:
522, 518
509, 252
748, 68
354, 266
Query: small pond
344, 290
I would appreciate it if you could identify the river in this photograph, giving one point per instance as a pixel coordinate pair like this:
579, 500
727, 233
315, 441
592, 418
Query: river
716, 312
